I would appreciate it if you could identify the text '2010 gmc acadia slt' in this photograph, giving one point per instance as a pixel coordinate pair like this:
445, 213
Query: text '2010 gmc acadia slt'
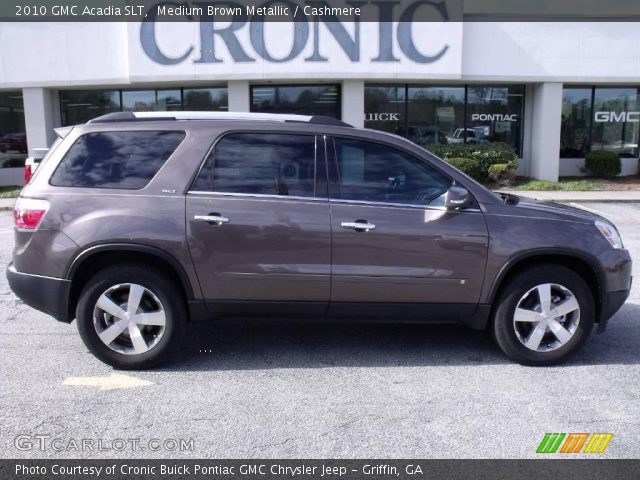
137, 223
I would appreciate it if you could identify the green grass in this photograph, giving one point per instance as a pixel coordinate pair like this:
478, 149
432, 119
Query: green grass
9, 192
573, 185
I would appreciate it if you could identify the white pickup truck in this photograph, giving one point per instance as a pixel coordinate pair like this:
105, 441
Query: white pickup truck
32, 162
39, 154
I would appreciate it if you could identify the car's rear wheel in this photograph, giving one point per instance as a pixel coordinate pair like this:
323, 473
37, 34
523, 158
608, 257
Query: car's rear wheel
543, 315
131, 317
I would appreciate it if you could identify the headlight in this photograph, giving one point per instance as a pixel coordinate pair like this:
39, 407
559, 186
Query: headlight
610, 233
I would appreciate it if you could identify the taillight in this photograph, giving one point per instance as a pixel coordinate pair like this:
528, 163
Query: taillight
27, 173
29, 212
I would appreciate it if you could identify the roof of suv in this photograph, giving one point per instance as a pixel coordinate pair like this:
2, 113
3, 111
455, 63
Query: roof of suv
118, 117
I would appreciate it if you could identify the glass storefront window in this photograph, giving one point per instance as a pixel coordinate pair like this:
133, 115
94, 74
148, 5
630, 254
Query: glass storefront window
494, 114
168, 100
297, 99
429, 114
576, 122
600, 118
435, 114
80, 106
13, 140
385, 108
138, 100
615, 121
205, 99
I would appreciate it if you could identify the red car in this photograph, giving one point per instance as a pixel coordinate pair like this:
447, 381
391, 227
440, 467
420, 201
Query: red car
13, 141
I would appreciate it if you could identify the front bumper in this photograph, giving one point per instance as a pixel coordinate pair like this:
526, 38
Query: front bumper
612, 303
47, 294
617, 268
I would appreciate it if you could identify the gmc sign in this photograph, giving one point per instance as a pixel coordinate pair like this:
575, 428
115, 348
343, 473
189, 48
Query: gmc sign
611, 117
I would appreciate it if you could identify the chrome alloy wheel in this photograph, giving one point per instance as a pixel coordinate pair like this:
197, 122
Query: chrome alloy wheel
546, 317
129, 319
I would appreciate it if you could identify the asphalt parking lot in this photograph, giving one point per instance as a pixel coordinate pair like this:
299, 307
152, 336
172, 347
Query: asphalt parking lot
280, 390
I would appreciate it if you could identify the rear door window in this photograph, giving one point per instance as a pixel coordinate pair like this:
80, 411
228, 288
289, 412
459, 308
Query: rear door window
126, 160
261, 164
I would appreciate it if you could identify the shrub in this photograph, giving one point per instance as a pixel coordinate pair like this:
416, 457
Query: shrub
602, 163
502, 173
468, 166
484, 154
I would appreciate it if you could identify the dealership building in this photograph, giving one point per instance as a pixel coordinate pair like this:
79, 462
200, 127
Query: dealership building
552, 90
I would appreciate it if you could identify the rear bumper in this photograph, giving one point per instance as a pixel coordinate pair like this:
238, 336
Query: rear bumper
47, 294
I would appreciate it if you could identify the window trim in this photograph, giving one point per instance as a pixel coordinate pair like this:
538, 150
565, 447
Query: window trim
411, 206
319, 166
151, 179
264, 196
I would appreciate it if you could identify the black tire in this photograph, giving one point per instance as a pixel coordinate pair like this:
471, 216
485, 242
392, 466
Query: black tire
504, 331
159, 285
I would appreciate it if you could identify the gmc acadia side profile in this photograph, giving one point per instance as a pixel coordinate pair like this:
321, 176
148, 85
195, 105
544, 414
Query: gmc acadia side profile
137, 223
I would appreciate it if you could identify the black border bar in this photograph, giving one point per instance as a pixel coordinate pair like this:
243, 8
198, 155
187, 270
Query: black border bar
553, 469
317, 10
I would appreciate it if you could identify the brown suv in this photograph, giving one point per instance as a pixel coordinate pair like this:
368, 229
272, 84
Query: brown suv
136, 224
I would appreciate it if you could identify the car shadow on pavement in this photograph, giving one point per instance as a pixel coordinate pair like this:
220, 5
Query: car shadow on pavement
266, 344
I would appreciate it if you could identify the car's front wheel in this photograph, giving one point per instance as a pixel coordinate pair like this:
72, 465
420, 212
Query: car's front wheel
543, 315
131, 317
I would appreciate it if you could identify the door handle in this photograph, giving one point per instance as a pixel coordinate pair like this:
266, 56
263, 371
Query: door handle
214, 218
358, 225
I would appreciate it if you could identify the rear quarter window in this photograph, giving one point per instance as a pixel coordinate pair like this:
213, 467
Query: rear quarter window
126, 160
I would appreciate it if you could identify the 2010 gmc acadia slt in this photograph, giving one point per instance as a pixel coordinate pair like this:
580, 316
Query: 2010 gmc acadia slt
137, 223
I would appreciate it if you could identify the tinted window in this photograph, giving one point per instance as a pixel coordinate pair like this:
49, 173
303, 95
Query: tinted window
13, 141
613, 130
80, 106
115, 159
205, 99
385, 108
373, 172
434, 114
261, 163
495, 114
447, 115
576, 122
299, 99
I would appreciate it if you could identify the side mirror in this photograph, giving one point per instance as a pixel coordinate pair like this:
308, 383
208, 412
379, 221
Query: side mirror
457, 198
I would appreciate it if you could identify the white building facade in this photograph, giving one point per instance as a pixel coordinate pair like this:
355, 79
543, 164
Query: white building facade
554, 90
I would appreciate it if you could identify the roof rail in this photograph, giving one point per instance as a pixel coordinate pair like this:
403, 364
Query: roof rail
267, 117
